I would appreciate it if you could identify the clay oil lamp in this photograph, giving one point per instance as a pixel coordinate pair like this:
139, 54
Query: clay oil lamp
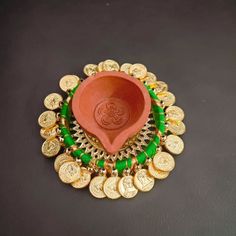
111, 106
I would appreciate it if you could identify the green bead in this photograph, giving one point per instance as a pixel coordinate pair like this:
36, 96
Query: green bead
68, 140
86, 158
157, 109
64, 131
77, 153
141, 158
159, 122
162, 128
120, 165
151, 149
64, 110
156, 140
100, 163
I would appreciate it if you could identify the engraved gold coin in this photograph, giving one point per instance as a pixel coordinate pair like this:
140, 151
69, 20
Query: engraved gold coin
174, 144
150, 78
125, 68
69, 172
100, 66
110, 65
167, 98
174, 113
160, 87
164, 161
110, 187
143, 181
47, 119
68, 82
53, 101
158, 174
83, 180
51, 147
90, 69
138, 71
126, 187
60, 160
49, 133
96, 186
176, 127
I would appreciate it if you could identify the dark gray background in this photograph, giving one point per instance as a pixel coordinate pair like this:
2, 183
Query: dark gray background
189, 44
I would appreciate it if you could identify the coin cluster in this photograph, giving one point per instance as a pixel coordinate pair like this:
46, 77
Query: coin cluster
102, 178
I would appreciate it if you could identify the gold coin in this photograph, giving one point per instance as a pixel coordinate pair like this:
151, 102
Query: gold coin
160, 87
143, 181
164, 161
150, 78
174, 144
125, 68
110, 187
176, 127
90, 69
83, 180
126, 187
60, 160
47, 119
53, 101
138, 71
49, 133
96, 186
68, 82
158, 174
174, 113
100, 66
110, 65
167, 98
69, 172
51, 147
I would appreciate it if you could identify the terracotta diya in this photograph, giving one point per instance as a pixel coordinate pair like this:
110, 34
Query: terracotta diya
114, 104
111, 106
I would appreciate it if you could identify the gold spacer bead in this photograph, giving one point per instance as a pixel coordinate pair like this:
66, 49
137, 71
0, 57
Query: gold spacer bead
68, 99
108, 165
73, 148
134, 162
157, 102
158, 133
63, 121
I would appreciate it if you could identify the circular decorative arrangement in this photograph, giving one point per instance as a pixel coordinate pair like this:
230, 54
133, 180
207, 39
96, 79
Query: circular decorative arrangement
81, 159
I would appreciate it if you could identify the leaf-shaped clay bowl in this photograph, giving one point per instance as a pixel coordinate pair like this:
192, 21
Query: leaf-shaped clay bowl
111, 106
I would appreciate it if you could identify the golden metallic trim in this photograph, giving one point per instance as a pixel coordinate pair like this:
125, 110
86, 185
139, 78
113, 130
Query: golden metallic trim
74, 148
109, 166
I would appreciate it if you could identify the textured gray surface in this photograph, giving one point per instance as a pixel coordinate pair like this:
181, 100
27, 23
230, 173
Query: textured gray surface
189, 44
